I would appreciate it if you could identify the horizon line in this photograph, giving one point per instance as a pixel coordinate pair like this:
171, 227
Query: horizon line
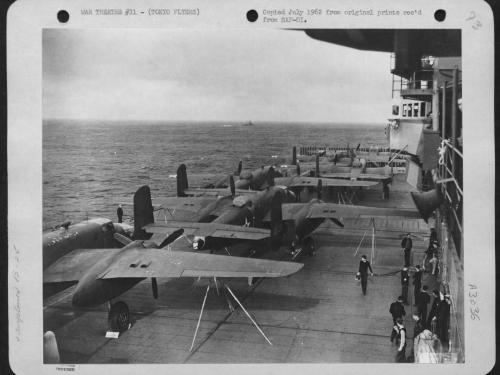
229, 122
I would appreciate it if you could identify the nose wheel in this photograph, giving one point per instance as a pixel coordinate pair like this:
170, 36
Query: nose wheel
119, 317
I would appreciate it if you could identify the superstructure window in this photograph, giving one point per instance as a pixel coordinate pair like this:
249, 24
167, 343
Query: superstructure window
422, 109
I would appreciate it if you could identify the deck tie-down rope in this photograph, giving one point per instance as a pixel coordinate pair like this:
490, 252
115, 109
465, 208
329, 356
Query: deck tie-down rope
372, 254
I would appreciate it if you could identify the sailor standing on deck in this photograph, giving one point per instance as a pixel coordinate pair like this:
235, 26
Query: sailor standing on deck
401, 337
422, 302
431, 319
364, 265
407, 244
397, 311
119, 213
417, 283
405, 282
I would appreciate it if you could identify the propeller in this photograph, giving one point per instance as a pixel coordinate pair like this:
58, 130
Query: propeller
172, 237
231, 184
124, 240
240, 167
337, 221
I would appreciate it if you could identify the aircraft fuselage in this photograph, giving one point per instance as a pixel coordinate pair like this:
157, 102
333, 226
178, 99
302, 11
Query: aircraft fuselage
91, 234
254, 180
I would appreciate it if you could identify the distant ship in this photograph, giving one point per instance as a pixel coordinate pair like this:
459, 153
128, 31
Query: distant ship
249, 123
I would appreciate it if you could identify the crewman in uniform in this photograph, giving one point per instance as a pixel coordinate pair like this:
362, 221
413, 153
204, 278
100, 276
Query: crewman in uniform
119, 213
434, 311
364, 265
422, 303
417, 283
385, 191
397, 311
406, 245
401, 337
405, 282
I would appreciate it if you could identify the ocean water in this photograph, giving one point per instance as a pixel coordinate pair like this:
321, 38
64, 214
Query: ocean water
91, 166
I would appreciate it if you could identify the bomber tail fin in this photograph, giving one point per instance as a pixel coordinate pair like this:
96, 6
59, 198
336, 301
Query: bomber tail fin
232, 187
143, 212
270, 177
240, 167
182, 180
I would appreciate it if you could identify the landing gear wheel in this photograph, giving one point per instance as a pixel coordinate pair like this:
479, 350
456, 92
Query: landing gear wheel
118, 317
309, 246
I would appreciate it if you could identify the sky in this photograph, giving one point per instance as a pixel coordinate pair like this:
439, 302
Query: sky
210, 75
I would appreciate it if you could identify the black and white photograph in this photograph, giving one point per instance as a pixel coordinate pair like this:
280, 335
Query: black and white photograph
251, 195
350, 151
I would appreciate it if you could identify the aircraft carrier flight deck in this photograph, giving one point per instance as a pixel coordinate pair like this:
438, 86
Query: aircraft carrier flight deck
318, 314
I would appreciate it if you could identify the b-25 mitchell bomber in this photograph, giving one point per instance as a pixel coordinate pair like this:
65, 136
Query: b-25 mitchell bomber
104, 274
295, 221
257, 179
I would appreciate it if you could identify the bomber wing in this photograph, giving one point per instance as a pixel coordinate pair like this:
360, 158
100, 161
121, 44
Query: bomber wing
289, 210
316, 210
191, 204
73, 265
213, 192
209, 230
344, 210
357, 175
333, 210
292, 182
141, 262
162, 263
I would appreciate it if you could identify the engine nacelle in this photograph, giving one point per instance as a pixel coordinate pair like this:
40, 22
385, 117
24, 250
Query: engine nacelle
199, 243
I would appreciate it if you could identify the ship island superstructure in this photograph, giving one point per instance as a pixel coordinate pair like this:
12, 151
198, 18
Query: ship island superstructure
425, 140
